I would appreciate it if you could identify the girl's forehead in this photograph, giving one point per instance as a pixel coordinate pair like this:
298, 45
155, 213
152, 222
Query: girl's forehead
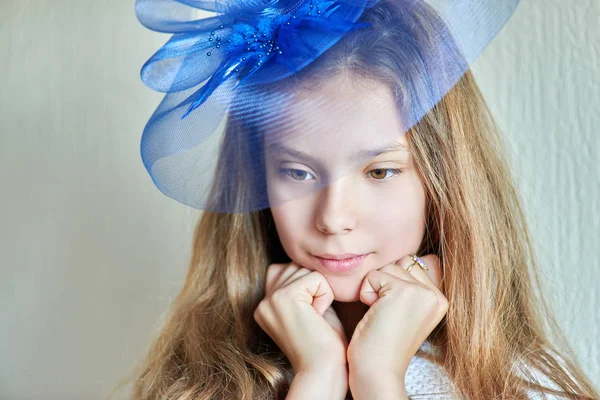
341, 118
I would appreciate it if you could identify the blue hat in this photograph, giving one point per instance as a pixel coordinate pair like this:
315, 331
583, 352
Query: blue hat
229, 66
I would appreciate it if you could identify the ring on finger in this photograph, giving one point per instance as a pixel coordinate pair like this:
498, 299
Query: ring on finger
418, 261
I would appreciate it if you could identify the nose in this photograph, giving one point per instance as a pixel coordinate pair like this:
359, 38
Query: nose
337, 206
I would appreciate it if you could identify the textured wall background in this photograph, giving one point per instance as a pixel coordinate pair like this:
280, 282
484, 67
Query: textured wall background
91, 253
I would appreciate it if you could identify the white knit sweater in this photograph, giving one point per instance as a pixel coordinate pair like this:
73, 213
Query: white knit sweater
427, 380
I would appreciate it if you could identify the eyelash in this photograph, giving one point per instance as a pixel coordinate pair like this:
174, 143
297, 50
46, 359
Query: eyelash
287, 172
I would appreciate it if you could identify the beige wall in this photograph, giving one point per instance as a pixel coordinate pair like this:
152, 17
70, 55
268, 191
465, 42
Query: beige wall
91, 253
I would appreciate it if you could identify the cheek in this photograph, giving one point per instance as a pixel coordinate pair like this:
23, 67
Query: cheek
395, 218
291, 224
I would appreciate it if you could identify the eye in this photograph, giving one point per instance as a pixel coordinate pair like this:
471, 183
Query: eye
383, 174
295, 174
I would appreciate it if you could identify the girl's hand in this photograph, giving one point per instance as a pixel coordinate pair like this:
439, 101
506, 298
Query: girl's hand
405, 308
297, 314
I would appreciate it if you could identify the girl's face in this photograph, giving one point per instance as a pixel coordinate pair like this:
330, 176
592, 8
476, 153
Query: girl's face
341, 182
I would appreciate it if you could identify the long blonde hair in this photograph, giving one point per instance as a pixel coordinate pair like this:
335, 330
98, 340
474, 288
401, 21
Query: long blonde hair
210, 346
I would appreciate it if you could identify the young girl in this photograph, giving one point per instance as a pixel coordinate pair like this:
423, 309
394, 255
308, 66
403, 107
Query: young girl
362, 237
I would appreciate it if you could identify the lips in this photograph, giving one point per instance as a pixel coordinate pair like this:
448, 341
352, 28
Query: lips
341, 262
339, 256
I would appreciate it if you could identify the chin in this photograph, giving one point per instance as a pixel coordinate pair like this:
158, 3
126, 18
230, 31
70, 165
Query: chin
345, 289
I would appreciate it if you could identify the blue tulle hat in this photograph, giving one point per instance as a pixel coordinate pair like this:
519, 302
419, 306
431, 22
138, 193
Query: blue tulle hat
222, 66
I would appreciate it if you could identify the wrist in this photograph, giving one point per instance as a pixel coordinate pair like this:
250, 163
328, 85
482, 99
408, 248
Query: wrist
319, 383
377, 386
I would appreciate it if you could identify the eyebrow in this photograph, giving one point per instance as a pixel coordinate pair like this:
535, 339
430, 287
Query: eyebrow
363, 153
389, 149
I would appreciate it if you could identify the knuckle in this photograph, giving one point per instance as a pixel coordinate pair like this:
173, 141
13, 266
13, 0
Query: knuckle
437, 301
261, 306
443, 303
273, 270
277, 297
258, 312
430, 297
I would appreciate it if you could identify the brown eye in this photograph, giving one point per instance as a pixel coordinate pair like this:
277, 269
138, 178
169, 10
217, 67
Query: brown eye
379, 173
383, 174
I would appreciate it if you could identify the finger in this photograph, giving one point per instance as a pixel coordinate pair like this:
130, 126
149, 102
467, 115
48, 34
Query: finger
316, 286
426, 278
431, 278
294, 272
284, 273
377, 284
398, 269
274, 271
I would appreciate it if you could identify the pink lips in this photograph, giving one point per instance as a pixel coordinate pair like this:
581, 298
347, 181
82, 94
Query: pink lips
342, 262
